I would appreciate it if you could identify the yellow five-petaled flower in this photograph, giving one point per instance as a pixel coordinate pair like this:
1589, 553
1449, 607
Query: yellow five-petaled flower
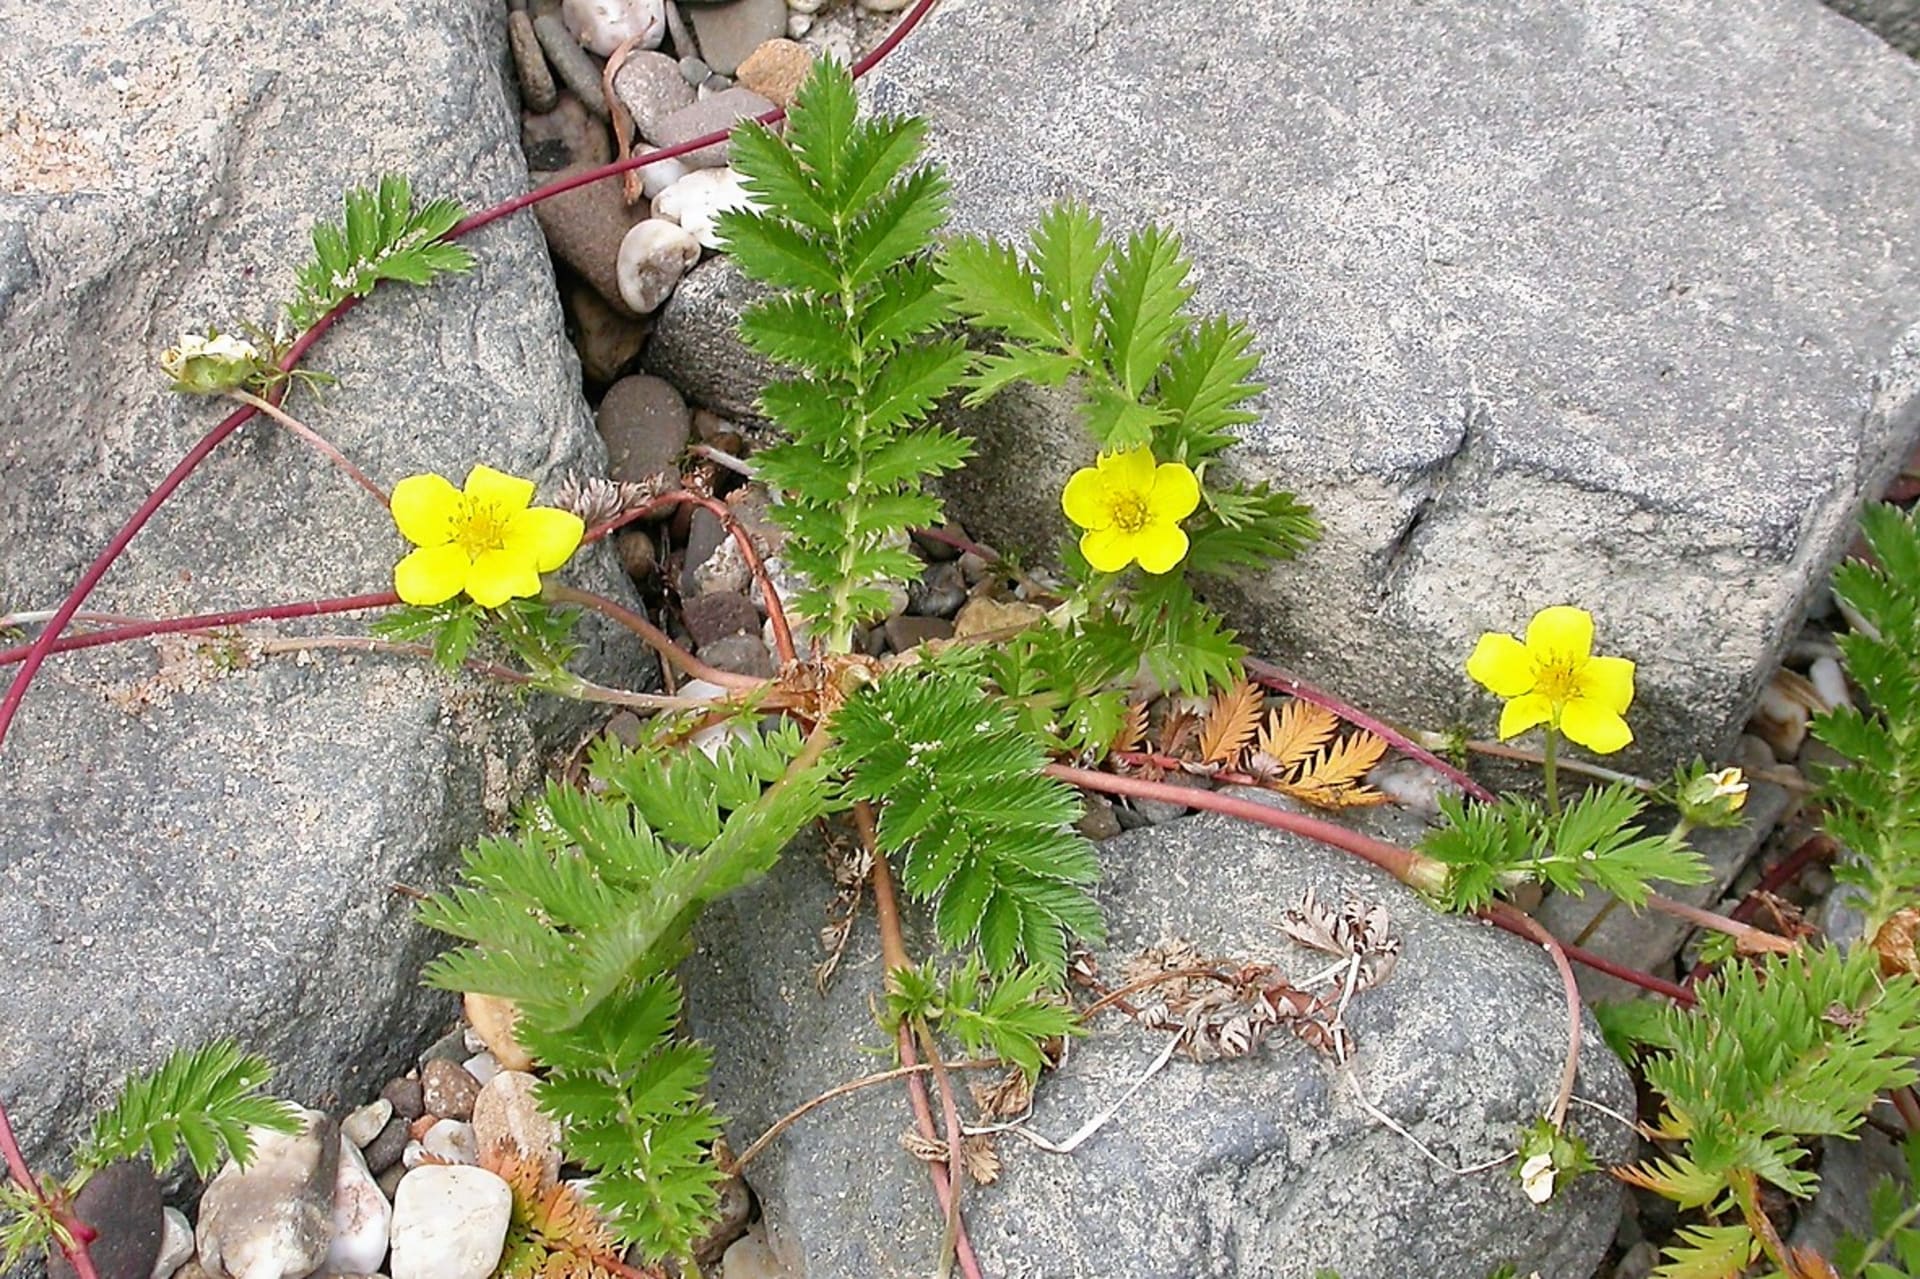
1131, 510
1554, 678
486, 540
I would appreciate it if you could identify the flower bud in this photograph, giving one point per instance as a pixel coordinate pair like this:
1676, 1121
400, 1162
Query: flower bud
211, 364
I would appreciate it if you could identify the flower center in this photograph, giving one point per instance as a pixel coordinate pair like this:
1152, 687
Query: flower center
1557, 677
1129, 511
480, 526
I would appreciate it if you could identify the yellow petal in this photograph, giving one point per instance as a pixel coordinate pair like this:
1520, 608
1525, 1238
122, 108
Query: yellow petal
1159, 547
1562, 631
506, 492
425, 507
1609, 681
1108, 549
1523, 713
546, 535
1085, 499
432, 574
498, 576
1502, 664
1595, 726
1131, 471
1175, 493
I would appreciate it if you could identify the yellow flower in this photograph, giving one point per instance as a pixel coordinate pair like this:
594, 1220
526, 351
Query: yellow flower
1131, 510
1553, 678
486, 541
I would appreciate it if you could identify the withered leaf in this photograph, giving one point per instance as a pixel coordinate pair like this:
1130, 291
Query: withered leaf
1232, 720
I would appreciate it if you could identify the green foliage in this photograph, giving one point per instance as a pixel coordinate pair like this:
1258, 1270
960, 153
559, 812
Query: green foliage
1067, 686
1012, 1016
26, 1225
580, 920
980, 830
1873, 808
1775, 1053
198, 1102
843, 230
1496, 847
384, 237
1186, 644
1629, 1025
1111, 318
531, 630
1896, 1236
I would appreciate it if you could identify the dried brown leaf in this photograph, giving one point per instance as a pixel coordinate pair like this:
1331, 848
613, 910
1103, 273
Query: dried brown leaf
1007, 1096
1232, 720
980, 1159
1176, 729
1293, 734
925, 1149
1331, 779
1133, 730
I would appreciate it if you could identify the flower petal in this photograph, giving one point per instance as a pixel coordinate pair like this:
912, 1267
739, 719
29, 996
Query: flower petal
507, 493
1594, 725
1609, 681
431, 575
1502, 664
1523, 713
1159, 547
1129, 471
546, 535
1561, 631
425, 508
498, 576
1085, 499
1108, 550
1175, 495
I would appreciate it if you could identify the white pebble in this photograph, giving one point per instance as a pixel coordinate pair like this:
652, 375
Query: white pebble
660, 175
473, 1039
364, 1124
604, 25
412, 1155
808, 7
1830, 682
697, 201
176, 1244
449, 1223
361, 1217
884, 6
482, 1066
453, 1141
653, 257
798, 24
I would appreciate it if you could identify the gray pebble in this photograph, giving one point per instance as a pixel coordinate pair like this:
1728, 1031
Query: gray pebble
721, 111
574, 65
939, 592
645, 424
449, 1089
563, 137
908, 632
694, 71
651, 88
451, 1046
741, 654
530, 67
406, 1097
383, 1152
714, 617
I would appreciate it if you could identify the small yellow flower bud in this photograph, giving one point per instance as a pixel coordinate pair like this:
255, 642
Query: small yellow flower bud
1725, 790
211, 364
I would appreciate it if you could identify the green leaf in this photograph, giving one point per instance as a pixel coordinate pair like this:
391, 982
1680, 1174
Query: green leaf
795, 329
1116, 419
897, 226
199, 1102
773, 177
1205, 388
1140, 306
777, 252
993, 373
1069, 254
382, 237
988, 283
820, 127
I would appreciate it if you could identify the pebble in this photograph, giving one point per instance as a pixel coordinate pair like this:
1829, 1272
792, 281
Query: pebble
1781, 718
176, 1246
449, 1223
651, 88
974, 568
482, 1066
751, 1258
776, 69
452, 1141
694, 71
984, 614
720, 111
364, 1124
625, 728
389, 1181
884, 6
449, 1089
729, 1221
939, 592
933, 549
741, 654
564, 138
679, 32
719, 567
807, 7
585, 228
605, 25
798, 24
697, 201
537, 90
729, 33
122, 1202
451, 1046
1830, 682
645, 425
570, 62
1097, 819
276, 1217
716, 83
904, 633
407, 1098
384, 1151
506, 1115
653, 257
634, 546
660, 175
607, 341
361, 1216
1638, 1262
716, 616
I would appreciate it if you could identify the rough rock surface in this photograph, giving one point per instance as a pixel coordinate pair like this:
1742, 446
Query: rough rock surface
1255, 1169
189, 851
1895, 21
1557, 304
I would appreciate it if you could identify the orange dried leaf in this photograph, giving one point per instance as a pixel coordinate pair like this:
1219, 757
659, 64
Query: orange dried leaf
1232, 721
1294, 732
1332, 778
1133, 730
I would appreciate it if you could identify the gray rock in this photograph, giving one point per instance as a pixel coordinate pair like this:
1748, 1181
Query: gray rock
694, 71
364, 1124
729, 33
713, 559
407, 1096
530, 67
275, 1217
1895, 21
450, 1047
1254, 1168
176, 1246
909, 631
251, 818
122, 1203
741, 654
651, 88
938, 592
720, 111
710, 618
645, 424
1602, 326
383, 1152
1849, 1172
578, 71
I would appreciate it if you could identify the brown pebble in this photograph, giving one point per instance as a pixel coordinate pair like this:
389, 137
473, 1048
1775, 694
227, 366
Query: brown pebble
406, 1097
573, 64
449, 1090
537, 89
563, 136
418, 1129
729, 1221
718, 615
776, 69
906, 631
636, 553
741, 654
709, 426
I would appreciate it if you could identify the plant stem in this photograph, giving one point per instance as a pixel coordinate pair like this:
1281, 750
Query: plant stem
1516, 920
1548, 749
1273, 677
776, 612
318, 442
1500, 750
205, 621
78, 1256
682, 660
1752, 940
799, 1112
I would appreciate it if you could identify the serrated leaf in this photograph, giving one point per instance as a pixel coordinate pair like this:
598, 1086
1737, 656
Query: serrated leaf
993, 373
1140, 304
1069, 254
777, 253
1232, 720
1295, 732
988, 283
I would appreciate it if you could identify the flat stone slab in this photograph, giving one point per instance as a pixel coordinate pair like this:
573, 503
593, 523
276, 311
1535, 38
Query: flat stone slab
195, 846
1262, 1167
1601, 306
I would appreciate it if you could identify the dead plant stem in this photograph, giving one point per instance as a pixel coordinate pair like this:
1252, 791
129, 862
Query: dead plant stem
669, 651
318, 442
